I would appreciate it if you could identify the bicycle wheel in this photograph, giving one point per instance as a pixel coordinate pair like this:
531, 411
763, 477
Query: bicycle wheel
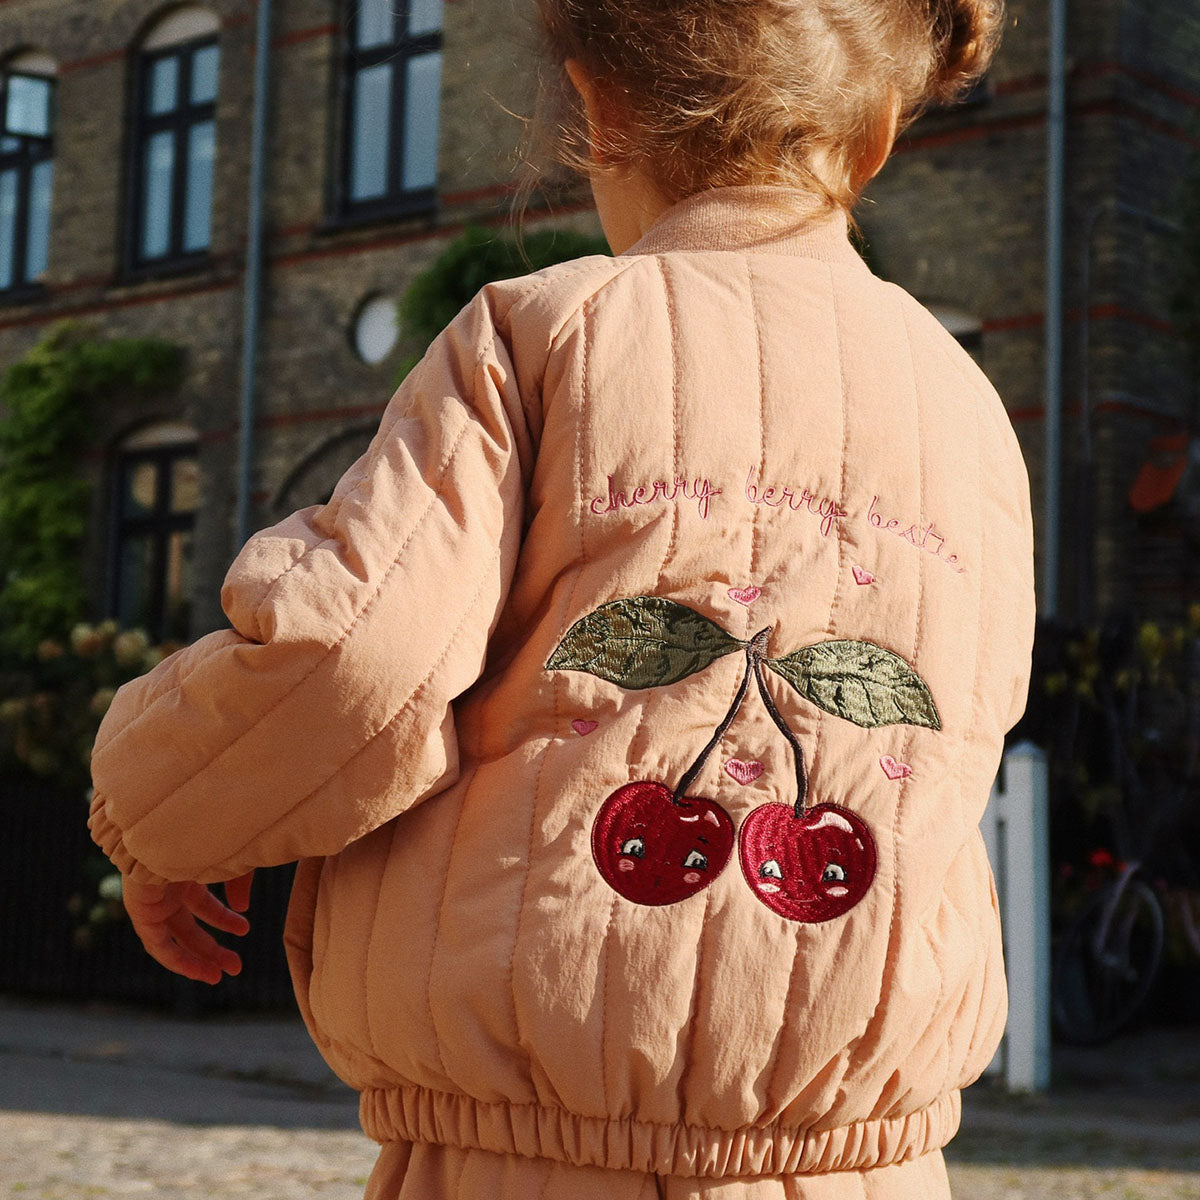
1099, 987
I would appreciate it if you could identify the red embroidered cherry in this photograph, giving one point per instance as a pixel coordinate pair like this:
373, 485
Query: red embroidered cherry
809, 866
654, 849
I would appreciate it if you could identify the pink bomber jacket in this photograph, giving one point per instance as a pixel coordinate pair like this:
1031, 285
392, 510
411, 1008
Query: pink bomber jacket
631, 707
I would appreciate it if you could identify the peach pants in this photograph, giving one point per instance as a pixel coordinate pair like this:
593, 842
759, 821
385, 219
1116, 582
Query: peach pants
427, 1172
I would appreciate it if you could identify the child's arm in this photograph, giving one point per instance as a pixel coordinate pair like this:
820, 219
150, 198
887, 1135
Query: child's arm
326, 710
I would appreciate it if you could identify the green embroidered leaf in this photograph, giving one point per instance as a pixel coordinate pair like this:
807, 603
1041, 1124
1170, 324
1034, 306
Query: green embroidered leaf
860, 682
642, 642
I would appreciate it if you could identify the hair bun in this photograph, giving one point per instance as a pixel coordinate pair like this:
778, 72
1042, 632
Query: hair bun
966, 33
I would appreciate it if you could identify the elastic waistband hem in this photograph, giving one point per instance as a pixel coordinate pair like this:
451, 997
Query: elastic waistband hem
414, 1114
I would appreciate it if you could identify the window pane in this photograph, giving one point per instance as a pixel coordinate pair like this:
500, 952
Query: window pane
133, 582
177, 588
421, 107
424, 16
375, 24
185, 485
41, 189
163, 88
158, 169
197, 218
372, 132
141, 490
204, 75
8, 226
28, 108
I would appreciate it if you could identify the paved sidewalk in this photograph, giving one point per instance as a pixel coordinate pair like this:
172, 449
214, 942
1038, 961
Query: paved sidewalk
111, 1103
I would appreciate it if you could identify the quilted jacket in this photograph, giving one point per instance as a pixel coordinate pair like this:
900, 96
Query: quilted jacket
631, 707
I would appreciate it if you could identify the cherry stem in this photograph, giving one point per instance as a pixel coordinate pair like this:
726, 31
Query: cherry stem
785, 729
689, 776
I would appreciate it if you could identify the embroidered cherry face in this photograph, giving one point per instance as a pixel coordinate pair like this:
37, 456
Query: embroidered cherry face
810, 866
654, 849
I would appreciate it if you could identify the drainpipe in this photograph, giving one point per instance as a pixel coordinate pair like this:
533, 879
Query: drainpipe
1055, 200
252, 302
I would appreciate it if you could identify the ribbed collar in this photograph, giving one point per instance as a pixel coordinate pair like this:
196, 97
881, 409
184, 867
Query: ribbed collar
755, 219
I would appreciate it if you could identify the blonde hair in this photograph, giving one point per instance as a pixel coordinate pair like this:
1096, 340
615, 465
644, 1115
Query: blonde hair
715, 93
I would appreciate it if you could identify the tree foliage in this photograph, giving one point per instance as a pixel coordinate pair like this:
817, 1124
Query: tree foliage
477, 257
47, 406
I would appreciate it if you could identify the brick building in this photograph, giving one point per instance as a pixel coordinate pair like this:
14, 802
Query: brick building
124, 202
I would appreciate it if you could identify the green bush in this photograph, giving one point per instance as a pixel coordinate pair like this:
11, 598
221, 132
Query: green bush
477, 257
47, 410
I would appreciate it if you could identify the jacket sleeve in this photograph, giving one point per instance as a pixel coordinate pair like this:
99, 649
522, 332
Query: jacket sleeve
326, 709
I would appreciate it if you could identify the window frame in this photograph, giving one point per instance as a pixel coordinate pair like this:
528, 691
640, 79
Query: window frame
30, 151
143, 126
397, 201
159, 524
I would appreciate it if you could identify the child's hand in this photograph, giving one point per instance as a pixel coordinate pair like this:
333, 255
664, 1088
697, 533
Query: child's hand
166, 917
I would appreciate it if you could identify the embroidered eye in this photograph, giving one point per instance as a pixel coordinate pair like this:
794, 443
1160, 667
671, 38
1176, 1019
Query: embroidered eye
834, 873
696, 859
634, 847
770, 870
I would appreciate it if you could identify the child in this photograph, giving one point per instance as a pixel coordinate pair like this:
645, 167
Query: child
632, 704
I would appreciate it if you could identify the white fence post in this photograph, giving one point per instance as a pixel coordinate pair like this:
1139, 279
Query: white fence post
1016, 831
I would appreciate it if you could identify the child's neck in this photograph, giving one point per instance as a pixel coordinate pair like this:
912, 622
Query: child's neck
629, 203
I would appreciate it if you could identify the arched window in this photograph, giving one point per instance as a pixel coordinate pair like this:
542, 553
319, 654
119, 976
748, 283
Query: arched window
393, 85
173, 147
26, 168
157, 490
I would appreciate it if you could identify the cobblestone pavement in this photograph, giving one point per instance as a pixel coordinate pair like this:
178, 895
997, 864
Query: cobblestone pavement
115, 1104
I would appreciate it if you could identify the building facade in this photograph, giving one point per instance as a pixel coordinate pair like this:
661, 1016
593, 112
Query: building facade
124, 203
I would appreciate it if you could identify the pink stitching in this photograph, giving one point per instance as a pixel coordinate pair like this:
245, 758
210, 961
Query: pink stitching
828, 510
583, 728
893, 768
746, 595
910, 534
743, 770
700, 490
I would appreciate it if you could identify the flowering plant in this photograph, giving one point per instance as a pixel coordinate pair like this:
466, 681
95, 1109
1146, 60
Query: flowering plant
51, 705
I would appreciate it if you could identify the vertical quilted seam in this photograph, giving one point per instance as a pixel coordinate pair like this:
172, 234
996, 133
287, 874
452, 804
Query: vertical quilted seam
912, 359
437, 929
762, 430
564, 622
830, 628
976, 698
893, 943
672, 333
369, 956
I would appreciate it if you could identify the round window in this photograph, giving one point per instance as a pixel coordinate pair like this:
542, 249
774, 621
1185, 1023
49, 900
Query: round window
375, 329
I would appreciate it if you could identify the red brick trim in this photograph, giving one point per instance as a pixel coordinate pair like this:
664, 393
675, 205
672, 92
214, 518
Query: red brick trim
1120, 109
1108, 408
45, 316
1099, 70
387, 241
95, 60
304, 35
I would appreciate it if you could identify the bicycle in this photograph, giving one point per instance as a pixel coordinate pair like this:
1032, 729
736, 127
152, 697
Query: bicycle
1109, 957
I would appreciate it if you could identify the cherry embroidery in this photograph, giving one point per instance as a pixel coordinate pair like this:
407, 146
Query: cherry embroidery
655, 849
806, 864
656, 845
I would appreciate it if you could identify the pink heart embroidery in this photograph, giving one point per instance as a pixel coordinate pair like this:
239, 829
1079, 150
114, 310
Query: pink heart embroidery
742, 771
745, 595
862, 576
583, 728
893, 769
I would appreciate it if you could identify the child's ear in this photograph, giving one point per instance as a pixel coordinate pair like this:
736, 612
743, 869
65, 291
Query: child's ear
877, 147
596, 108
